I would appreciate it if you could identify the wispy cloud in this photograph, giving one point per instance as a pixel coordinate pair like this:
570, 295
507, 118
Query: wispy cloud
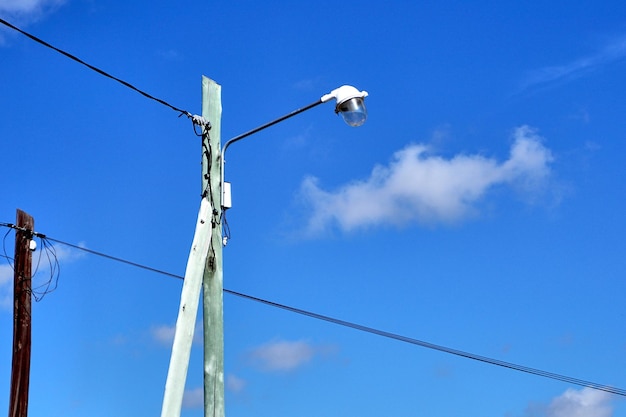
284, 355
193, 398
67, 254
419, 187
235, 384
6, 286
608, 54
163, 334
308, 84
586, 402
24, 12
28, 8
169, 54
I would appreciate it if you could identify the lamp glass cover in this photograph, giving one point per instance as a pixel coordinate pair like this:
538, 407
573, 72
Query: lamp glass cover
353, 111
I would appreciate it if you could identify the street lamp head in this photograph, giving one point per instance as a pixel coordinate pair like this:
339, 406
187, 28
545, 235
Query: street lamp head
350, 103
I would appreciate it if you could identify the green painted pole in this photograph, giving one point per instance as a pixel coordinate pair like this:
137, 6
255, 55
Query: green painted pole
212, 283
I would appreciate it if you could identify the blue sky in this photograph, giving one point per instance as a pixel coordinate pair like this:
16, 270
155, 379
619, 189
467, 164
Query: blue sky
480, 207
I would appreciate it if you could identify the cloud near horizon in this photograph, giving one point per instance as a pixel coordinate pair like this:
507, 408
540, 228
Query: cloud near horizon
586, 402
417, 187
285, 355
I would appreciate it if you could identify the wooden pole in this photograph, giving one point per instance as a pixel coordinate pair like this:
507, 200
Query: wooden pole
22, 295
204, 271
187, 313
213, 275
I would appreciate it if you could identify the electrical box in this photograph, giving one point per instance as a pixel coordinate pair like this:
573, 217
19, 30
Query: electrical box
227, 200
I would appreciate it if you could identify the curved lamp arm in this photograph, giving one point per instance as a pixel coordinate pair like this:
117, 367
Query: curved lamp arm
251, 132
350, 103
266, 125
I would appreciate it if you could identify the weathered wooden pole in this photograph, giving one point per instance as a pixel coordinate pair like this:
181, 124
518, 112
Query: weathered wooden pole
213, 275
204, 271
187, 313
22, 295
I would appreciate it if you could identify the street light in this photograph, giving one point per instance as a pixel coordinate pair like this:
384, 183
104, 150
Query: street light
204, 266
350, 103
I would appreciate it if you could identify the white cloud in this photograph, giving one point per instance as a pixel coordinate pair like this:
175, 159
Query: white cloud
6, 274
193, 398
611, 52
65, 253
234, 383
163, 334
282, 355
21, 13
586, 402
6, 287
28, 7
424, 188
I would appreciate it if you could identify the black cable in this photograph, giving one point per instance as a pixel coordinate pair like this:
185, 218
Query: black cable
113, 258
39, 291
266, 125
93, 68
371, 330
4, 245
484, 359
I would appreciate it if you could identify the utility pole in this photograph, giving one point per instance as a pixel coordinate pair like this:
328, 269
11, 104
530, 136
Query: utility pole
209, 234
204, 270
22, 296
213, 274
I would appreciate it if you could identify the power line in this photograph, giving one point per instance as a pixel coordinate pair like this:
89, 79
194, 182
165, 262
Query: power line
114, 258
99, 71
395, 336
366, 329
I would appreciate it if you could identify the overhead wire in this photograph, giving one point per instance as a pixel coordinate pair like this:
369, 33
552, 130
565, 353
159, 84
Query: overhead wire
39, 291
367, 329
5, 255
38, 288
428, 345
195, 119
116, 259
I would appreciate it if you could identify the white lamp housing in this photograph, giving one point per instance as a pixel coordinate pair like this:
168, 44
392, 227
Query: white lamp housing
350, 103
